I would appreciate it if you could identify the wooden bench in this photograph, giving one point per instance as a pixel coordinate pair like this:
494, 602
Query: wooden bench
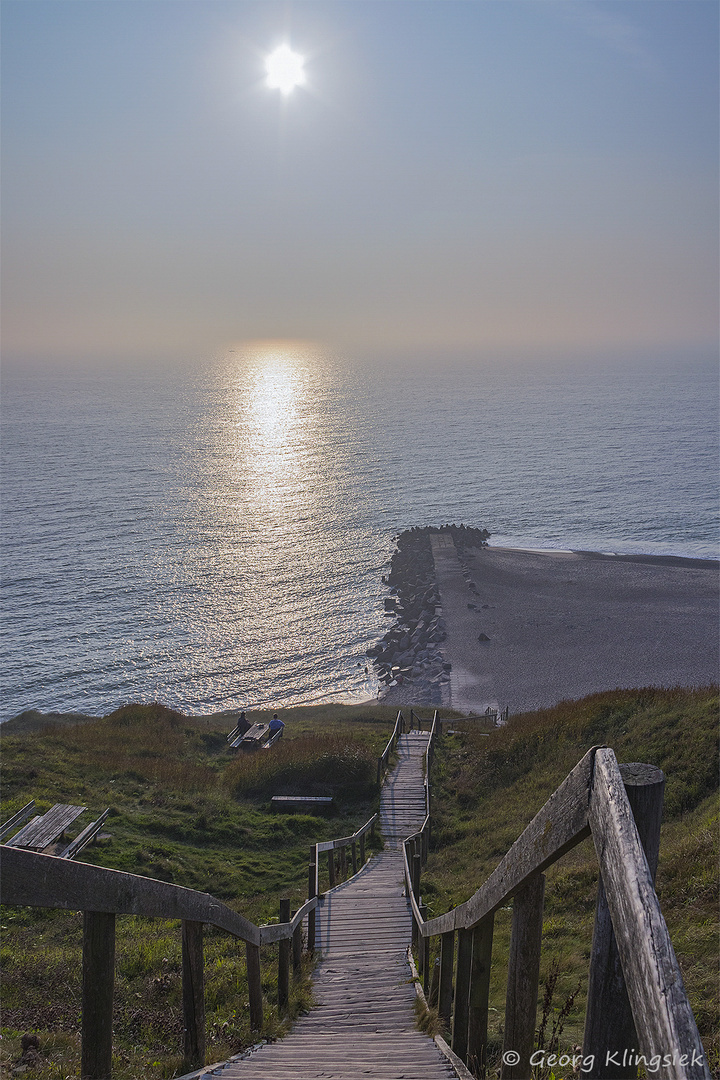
89, 833
16, 819
301, 802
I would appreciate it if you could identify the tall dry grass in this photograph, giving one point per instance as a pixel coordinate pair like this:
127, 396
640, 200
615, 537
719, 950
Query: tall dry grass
310, 765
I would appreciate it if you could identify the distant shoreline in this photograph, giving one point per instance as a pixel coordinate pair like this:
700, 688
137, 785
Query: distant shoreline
697, 562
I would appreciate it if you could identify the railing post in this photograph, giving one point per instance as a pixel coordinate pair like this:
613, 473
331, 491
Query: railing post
98, 970
353, 852
423, 945
362, 849
523, 978
252, 953
284, 960
609, 1025
447, 947
312, 892
193, 982
462, 994
479, 994
297, 947
331, 866
343, 862
415, 878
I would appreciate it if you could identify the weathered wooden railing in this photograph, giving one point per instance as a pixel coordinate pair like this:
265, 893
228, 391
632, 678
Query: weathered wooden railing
637, 1009
36, 880
337, 864
420, 841
384, 759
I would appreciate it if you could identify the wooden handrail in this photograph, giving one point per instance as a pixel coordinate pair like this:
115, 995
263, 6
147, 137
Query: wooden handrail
556, 828
331, 846
32, 879
283, 931
592, 800
345, 841
661, 1010
391, 744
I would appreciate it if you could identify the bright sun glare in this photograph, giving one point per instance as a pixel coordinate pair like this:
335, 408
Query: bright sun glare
285, 69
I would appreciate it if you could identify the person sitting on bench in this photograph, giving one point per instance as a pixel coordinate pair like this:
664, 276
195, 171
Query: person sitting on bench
276, 726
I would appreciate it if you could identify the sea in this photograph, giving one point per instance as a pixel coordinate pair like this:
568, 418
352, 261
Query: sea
214, 536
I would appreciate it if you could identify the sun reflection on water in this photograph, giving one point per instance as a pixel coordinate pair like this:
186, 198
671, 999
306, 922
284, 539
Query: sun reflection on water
274, 430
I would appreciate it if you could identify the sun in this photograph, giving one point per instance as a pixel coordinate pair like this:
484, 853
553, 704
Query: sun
285, 69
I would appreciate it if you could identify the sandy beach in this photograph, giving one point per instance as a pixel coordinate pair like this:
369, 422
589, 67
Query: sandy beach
527, 629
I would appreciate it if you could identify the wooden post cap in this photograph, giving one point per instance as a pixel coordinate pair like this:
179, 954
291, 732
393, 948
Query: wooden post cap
639, 774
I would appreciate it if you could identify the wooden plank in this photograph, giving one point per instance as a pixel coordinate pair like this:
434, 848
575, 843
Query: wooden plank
35, 880
556, 828
609, 1025
301, 800
523, 978
193, 983
663, 1018
98, 975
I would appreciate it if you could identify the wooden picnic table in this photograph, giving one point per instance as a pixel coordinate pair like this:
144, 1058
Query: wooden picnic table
45, 829
255, 735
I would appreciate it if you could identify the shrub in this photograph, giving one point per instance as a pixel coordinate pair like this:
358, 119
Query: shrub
310, 765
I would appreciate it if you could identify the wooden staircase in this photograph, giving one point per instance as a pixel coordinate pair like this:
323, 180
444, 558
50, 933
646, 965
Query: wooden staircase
364, 1022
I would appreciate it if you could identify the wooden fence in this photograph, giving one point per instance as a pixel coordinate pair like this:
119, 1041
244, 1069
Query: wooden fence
384, 759
36, 880
637, 1003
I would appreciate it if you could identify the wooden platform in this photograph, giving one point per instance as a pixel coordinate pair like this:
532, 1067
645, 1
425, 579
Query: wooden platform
364, 1022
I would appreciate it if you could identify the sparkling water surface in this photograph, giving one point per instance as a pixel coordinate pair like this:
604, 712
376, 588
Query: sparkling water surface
216, 538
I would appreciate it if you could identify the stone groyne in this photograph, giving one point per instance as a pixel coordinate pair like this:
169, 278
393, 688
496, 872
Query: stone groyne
410, 659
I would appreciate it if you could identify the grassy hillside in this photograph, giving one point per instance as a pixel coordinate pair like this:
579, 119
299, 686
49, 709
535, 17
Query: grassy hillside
183, 808
486, 789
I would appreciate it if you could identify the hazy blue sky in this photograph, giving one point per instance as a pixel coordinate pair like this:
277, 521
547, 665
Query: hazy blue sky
481, 176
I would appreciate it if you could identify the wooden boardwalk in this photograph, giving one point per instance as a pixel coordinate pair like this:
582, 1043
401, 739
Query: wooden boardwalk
364, 1022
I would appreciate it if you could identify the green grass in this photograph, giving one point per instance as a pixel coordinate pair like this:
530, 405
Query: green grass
185, 809
486, 790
